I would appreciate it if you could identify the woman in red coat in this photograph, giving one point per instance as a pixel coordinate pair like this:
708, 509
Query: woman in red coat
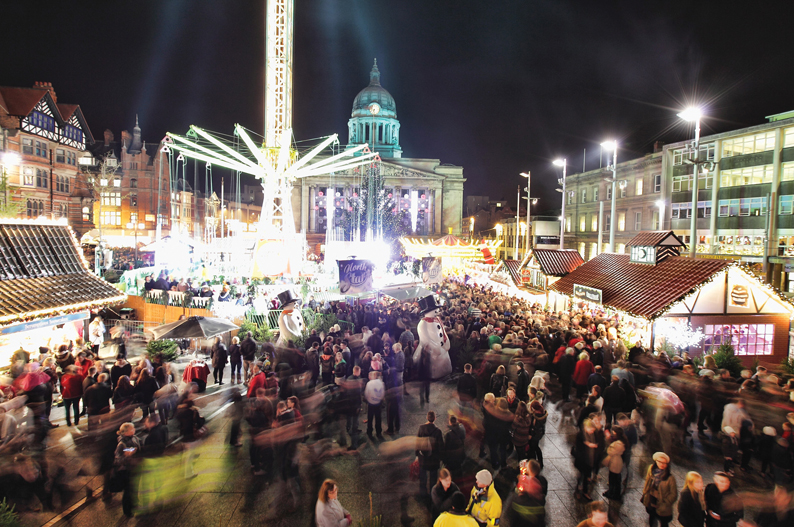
72, 391
580, 374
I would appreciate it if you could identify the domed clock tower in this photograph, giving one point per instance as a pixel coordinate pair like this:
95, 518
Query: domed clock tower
374, 119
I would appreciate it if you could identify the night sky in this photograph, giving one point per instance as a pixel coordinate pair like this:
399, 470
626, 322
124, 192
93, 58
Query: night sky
496, 86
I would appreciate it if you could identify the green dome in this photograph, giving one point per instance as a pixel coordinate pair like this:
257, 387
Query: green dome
374, 93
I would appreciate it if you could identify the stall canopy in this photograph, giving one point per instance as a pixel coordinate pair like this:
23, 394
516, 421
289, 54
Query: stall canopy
43, 273
406, 291
557, 262
194, 328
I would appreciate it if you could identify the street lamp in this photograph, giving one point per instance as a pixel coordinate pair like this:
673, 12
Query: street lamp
529, 208
612, 145
689, 115
8, 159
136, 226
471, 228
564, 164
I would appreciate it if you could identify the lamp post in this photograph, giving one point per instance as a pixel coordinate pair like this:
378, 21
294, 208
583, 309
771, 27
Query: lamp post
471, 229
612, 145
518, 210
529, 208
689, 115
564, 164
136, 226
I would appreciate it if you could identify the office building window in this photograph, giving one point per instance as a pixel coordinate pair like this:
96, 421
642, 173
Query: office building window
638, 221
787, 171
621, 221
681, 210
682, 183
704, 209
746, 339
582, 222
682, 154
657, 183
728, 207
741, 177
638, 187
594, 222
749, 144
786, 205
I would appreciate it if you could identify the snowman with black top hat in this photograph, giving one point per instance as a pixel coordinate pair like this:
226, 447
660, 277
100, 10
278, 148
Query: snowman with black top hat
290, 321
433, 336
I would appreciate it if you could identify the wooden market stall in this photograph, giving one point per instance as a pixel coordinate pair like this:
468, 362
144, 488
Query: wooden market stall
665, 291
46, 290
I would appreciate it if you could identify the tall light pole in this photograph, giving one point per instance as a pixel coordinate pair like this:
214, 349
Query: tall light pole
564, 164
660, 204
471, 229
689, 115
612, 145
518, 210
529, 209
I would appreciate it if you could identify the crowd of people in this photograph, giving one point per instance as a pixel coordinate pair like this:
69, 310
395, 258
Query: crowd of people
480, 464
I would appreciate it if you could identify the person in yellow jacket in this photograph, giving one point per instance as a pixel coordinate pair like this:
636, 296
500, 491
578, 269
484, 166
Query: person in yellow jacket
485, 504
457, 516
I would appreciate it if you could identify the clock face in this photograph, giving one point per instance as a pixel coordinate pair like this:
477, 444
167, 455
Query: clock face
374, 108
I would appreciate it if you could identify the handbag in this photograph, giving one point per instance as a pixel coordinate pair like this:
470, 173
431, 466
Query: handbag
414, 470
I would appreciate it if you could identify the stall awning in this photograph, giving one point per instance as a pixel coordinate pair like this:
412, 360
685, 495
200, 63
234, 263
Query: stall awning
641, 290
42, 273
556, 262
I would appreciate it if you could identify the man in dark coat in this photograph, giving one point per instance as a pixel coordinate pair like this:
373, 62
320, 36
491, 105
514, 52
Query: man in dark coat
97, 400
614, 399
566, 366
220, 357
522, 382
248, 351
467, 387
430, 447
723, 507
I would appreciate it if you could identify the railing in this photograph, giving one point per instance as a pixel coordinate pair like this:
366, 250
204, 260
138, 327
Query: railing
309, 317
176, 299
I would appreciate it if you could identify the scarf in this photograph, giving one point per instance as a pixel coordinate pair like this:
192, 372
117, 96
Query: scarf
656, 474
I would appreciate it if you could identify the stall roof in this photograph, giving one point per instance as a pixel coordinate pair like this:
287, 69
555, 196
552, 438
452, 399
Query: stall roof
42, 273
656, 238
640, 290
558, 262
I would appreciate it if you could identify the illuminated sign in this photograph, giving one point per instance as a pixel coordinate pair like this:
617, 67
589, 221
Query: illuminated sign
589, 294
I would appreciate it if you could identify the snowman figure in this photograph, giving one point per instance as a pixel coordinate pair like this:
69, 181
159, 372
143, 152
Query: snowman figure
290, 321
433, 335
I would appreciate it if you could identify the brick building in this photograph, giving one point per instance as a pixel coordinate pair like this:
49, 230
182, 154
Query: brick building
48, 137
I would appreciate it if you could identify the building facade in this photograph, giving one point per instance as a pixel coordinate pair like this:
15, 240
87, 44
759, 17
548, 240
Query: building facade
425, 189
40, 143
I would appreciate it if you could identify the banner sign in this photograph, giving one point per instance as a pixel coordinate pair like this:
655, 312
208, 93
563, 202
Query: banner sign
547, 240
739, 296
590, 294
45, 323
355, 276
526, 275
431, 270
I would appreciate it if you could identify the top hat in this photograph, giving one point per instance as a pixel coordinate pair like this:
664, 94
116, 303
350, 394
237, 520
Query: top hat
428, 303
287, 297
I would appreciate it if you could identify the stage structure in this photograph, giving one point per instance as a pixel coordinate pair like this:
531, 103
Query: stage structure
279, 249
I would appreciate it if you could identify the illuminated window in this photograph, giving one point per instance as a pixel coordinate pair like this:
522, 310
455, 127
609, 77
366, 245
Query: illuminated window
28, 176
86, 214
582, 222
749, 144
788, 138
638, 187
682, 183
581, 249
111, 217
593, 250
133, 200
112, 199
594, 223
741, 177
568, 223
787, 171
682, 154
746, 339
621, 221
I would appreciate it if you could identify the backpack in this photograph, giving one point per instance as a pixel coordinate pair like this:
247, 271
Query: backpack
325, 363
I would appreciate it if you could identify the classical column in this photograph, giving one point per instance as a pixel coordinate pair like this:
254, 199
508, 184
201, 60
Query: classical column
304, 206
312, 212
437, 210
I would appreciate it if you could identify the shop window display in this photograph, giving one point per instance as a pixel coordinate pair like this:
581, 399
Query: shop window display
746, 339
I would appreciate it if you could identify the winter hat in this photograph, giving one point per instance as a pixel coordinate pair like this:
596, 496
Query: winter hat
536, 407
484, 478
729, 430
770, 431
579, 345
661, 456
596, 344
569, 351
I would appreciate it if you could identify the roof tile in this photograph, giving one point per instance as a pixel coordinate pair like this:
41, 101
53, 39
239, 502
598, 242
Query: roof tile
642, 290
556, 262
